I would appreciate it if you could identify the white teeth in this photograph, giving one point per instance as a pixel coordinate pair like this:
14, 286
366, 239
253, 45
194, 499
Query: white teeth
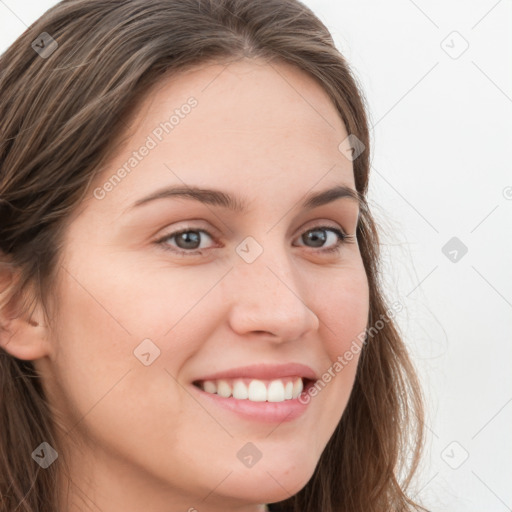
288, 390
223, 389
297, 388
210, 386
256, 390
275, 391
240, 390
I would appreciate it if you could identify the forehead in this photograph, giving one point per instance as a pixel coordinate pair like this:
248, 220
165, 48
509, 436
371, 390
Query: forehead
254, 127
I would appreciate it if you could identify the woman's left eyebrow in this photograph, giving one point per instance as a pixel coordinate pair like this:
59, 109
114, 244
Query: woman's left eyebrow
225, 200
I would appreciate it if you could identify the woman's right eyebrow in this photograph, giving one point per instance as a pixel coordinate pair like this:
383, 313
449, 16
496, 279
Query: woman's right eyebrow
225, 200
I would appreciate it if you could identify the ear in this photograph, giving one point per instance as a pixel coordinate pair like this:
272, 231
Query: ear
22, 334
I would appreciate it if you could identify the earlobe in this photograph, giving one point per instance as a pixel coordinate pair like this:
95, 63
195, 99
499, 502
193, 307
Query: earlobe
24, 338
22, 335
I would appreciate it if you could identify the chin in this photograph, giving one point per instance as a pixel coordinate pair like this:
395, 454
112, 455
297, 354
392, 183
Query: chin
274, 481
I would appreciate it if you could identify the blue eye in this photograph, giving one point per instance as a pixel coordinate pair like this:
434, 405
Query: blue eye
190, 239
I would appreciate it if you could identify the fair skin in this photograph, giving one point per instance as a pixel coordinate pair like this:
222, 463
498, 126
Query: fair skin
144, 437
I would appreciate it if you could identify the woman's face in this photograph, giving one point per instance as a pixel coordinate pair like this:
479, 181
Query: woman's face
251, 295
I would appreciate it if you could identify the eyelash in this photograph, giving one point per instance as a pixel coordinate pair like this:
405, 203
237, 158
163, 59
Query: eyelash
343, 238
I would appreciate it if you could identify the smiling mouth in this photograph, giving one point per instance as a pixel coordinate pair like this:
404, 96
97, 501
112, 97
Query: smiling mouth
256, 390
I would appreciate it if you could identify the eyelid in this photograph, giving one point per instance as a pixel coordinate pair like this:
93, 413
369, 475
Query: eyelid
316, 224
211, 230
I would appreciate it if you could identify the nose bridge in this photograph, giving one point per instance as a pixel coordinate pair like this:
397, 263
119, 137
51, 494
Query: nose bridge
266, 294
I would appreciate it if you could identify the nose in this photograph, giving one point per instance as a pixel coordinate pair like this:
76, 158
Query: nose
268, 298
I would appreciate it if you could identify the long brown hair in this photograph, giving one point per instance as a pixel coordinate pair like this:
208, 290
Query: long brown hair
61, 113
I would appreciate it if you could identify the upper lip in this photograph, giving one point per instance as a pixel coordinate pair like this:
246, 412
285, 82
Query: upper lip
264, 371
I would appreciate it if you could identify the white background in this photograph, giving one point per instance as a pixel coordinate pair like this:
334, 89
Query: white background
442, 168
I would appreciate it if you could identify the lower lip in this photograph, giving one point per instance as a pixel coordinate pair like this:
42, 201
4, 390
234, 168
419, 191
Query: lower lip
267, 412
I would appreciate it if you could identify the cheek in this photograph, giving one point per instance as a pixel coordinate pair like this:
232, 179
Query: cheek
107, 309
344, 317
95, 336
345, 309
107, 396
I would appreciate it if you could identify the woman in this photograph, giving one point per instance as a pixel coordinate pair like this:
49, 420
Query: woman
258, 365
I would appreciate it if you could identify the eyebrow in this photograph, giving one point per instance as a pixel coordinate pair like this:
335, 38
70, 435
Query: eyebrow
225, 200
